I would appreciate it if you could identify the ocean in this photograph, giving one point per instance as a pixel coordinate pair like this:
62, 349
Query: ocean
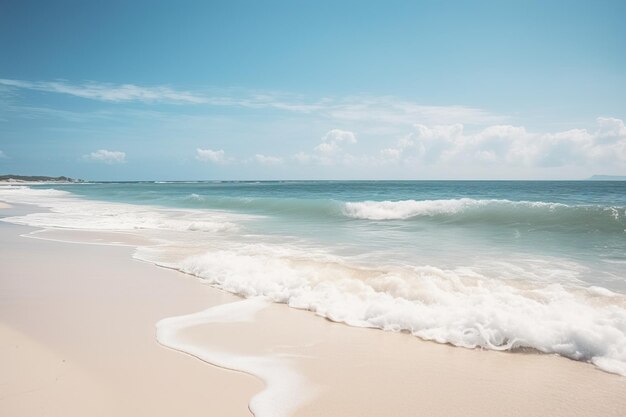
503, 265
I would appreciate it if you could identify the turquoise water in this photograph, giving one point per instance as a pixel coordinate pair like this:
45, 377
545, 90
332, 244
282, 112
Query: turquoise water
493, 264
443, 223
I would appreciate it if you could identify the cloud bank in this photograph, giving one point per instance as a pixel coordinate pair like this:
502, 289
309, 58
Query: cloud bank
513, 146
394, 134
499, 149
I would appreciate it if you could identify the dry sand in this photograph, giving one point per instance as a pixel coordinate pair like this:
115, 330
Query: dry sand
77, 333
78, 336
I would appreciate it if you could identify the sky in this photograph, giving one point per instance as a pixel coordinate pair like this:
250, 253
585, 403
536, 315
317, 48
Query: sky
195, 90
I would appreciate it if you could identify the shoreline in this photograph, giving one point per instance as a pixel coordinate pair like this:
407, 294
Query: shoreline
348, 370
98, 321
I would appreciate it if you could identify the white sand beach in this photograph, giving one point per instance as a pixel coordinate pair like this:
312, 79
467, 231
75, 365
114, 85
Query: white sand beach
77, 331
78, 337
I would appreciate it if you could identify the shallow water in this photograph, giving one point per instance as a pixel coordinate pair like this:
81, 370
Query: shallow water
497, 264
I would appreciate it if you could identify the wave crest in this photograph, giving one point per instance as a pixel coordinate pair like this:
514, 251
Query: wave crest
466, 210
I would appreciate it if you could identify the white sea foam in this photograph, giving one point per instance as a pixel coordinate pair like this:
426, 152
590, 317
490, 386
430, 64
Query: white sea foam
495, 307
458, 306
68, 211
395, 210
284, 387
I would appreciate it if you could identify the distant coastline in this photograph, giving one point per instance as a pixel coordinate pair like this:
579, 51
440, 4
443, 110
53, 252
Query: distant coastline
23, 179
9, 178
607, 178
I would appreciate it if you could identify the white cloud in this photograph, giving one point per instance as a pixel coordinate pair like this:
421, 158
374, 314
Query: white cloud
338, 135
610, 130
110, 92
329, 151
2, 155
377, 112
108, 157
332, 139
209, 155
514, 146
494, 151
268, 160
327, 147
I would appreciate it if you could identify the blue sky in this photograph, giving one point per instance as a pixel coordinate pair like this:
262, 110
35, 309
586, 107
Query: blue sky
326, 89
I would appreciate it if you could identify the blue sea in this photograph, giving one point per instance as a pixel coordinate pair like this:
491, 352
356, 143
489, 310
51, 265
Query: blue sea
503, 265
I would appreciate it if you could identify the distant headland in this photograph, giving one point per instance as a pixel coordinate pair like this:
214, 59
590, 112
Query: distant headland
607, 178
9, 178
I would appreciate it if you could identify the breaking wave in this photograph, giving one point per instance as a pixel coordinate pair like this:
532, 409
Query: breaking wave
467, 210
457, 306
